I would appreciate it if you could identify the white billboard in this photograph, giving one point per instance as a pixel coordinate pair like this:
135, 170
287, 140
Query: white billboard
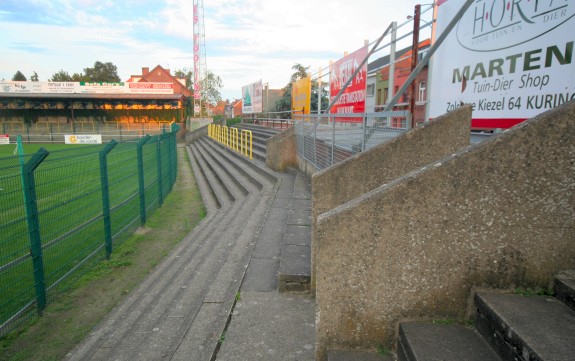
510, 60
36, 87
252, 98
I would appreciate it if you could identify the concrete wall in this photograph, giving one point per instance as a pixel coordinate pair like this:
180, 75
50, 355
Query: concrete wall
196, 134
498, 214
368, 170
281, 150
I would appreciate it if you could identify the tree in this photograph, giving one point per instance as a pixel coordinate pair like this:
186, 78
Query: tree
34, 77
284, 103
211, 86
19, 76
185, 75
61, 76
101, 72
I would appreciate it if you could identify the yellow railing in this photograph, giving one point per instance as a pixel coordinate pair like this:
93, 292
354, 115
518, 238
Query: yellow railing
231, 137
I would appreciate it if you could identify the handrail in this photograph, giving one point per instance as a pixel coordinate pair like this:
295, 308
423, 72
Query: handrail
232, 138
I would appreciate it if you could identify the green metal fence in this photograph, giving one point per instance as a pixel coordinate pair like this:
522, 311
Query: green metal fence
61, 211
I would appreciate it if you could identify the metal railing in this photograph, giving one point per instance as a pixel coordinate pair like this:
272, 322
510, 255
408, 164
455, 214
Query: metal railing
324, 140
62, 210
239, 140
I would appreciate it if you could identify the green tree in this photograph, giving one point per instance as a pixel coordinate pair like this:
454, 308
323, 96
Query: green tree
61, 76
211, 85
19, 76
34, 77
186, 75
101, 72
284, 103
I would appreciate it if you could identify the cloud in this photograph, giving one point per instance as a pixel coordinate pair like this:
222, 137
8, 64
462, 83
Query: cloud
246, 40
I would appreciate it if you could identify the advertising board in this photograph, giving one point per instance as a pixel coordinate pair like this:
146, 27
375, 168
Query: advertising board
510, 60
353, 98
252, 98
301, 95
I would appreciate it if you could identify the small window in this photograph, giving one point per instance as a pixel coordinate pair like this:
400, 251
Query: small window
370, 90
421, 95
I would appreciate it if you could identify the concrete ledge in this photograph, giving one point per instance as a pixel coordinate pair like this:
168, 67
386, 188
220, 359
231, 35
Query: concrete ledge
368, 170
281, 150
196, 134
498, 214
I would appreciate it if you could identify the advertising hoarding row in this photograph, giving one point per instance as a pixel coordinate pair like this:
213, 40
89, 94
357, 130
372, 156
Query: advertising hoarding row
510, 60
23, 87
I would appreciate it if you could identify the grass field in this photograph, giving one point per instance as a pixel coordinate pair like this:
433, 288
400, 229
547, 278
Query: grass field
70, 214
69, 318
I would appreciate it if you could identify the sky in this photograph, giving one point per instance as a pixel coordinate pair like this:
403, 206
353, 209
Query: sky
245, 40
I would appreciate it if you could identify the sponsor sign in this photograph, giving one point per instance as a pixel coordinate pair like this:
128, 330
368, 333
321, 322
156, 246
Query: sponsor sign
4, 139
83, 139
353, 98
301, 95
252, 98
85, 88
510, 60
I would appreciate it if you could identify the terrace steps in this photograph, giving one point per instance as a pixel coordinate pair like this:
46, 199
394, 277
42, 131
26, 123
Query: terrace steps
183, 309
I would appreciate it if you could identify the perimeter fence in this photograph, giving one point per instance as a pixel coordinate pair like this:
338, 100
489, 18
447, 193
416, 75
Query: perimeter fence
324, 140
62, 211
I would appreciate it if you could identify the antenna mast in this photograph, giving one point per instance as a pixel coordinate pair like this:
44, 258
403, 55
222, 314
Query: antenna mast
199, 55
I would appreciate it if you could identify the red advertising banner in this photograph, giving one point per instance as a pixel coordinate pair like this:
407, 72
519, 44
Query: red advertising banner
353, 98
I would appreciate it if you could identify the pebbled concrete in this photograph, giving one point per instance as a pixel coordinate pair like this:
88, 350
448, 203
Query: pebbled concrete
270, 326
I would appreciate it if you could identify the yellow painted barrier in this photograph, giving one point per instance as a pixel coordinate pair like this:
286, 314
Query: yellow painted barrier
232, 138
246, 143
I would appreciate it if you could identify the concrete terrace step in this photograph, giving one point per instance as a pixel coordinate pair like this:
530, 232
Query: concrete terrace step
223, 195
295, 265
357, 356
565, 288
526, 327
183, 306
420, 341
286, 248
260, 130
206, 191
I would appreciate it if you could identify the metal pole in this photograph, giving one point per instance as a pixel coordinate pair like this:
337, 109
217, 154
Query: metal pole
414, 54
391, 75
432, 50
358, 69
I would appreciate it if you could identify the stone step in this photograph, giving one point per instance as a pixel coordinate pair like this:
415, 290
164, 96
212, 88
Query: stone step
190, 293
256, 164
420, 341
249, 171
564, 288
207, 193
241, 182
526, 327
348, 355
222, 193
265, 131
294, 273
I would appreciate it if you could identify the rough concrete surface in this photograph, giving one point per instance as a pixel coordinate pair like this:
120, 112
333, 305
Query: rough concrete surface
496, 214
270, 326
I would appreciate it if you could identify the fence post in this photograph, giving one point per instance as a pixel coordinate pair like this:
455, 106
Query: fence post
106, 196
333, 141
34, 226
159, 163
141, 183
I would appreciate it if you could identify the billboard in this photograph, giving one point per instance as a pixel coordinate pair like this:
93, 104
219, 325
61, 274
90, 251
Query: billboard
252, 98
36, 87
510, 60
353, 98
301, 95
